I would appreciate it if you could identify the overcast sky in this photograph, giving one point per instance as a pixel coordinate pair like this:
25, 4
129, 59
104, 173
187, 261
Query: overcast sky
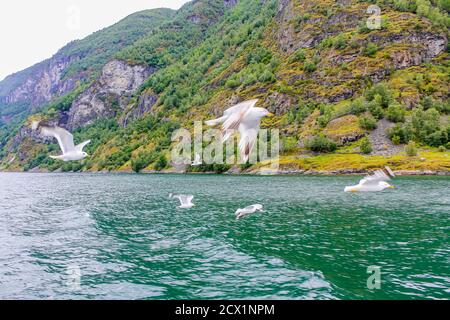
33, 30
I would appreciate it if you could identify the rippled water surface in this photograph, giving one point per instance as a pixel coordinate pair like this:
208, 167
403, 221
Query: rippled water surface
82, 236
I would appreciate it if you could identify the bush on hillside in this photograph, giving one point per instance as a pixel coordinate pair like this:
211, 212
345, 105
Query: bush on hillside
320, 143
395, 113
411, 149
366, 145
367, 123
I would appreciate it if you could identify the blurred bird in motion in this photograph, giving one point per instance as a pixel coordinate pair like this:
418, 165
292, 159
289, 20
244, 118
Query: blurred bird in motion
197, 161
374, 182
248, 210
246, 118
71, 152
185, 200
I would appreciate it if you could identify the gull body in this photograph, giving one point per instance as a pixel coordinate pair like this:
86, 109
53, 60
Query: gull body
197, 161
248, 210
380, 186
185, 201
373, 183
245, 118
71, 152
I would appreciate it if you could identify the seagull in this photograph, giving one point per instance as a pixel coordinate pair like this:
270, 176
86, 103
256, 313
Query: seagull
245, 118
374, 182
70, 151
197, 161
185, 201
248, 210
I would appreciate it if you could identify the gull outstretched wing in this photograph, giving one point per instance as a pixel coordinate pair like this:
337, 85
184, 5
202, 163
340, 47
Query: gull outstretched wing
64, 137
79, 147
375, 178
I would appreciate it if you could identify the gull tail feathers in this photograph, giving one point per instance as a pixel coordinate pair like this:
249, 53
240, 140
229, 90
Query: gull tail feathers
215, 122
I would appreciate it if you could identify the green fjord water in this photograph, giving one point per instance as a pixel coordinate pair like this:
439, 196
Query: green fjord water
129, 241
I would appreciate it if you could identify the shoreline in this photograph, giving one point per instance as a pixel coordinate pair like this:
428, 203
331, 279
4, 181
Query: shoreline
341, 172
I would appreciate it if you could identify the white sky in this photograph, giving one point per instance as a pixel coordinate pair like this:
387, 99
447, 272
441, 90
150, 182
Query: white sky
33, 30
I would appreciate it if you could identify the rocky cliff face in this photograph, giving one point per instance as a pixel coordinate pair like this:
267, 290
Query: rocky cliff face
108, 95
134, 111
309, 27
44, 84
78, 60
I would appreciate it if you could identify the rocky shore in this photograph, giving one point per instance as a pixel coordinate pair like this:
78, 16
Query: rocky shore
342, 172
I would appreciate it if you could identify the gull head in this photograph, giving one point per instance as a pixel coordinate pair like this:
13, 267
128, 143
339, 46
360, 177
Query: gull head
261, 112
84, 154
351, 189
386, 185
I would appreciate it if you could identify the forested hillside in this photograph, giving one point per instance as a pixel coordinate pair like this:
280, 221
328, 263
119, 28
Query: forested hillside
345, 97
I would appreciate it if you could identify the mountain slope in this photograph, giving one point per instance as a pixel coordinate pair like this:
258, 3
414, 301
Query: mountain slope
77, 61
339, 90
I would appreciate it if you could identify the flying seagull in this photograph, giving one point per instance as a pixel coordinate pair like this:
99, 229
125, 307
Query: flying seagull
71, 152
197, 161
245, 118
185, 200
248, 210
373, 182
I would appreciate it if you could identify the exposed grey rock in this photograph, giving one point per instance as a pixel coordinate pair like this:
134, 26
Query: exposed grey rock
381, 144
230, 3
282, 5
195, 18
292, 36
136, 111
44, 84
108, 95
279, 103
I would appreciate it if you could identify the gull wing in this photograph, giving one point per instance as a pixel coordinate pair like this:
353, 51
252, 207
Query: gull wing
239, 106
80, 146
248, 210
248, 133
189, 199
64, 137
258, 206
375, 178
389, 172
235, 116
184, 200
179, 197
253, 208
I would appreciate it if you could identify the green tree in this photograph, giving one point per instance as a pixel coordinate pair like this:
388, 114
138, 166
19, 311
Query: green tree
380, 94
298, 56
395, 113
367, 123
366, 145
320, 143
310, 66
370, 49
411, 149
161, 163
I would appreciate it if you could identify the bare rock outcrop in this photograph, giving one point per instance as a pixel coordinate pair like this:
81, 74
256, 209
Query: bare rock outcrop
230, 3
381, 145
135, 111
44, 83
108, 95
